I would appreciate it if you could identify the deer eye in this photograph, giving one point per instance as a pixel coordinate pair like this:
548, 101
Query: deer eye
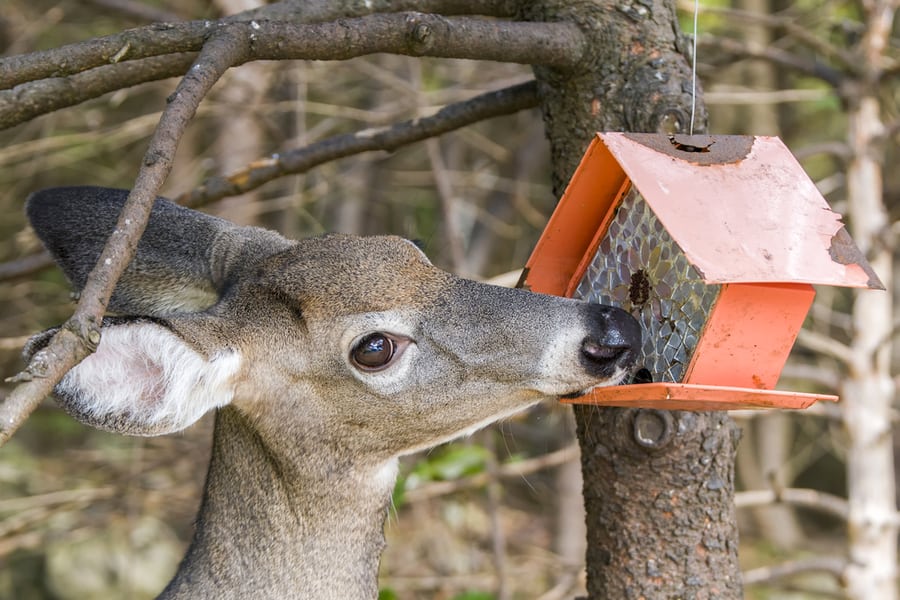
376, 351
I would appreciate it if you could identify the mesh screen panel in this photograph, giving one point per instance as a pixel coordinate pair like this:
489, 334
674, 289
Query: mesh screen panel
640, 268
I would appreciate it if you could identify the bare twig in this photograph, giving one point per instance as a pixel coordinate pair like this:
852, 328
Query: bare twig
30, 100
133, 44
453, 116
81, 333
13, 343
139, 10
449, 208
516, 469
25, 265
78, 496
835, 565
716, 45
814, 499
817, 342
789, 25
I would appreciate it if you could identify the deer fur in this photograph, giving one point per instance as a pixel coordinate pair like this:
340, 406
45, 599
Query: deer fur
325, 359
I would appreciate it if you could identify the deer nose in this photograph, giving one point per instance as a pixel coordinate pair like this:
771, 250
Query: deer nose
613, 341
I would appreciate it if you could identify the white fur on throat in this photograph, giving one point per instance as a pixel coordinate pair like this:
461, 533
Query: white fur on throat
146, 375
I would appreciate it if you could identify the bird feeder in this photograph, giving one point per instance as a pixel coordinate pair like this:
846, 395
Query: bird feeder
714, 244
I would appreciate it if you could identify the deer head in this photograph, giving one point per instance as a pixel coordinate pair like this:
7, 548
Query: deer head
329, 357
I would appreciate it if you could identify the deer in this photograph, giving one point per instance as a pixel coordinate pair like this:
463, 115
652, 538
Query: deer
325, 360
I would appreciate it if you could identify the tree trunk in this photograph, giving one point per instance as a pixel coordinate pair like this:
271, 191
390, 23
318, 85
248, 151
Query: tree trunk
660, 512
868, 391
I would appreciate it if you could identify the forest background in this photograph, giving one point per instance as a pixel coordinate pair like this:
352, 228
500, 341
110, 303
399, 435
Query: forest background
87, 514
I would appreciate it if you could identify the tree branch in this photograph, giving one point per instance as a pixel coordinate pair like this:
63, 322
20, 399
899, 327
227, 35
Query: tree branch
44, 81
814, 499
558, 45
154, 39
515, 469
158, 39
137, 10
835, 565
818, 342
318, 11
25, 265
81, 333
789, 25
452, 116
713, 45
30, 100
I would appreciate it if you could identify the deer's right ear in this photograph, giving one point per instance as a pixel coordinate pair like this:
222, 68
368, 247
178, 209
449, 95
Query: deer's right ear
144, 379
184, 260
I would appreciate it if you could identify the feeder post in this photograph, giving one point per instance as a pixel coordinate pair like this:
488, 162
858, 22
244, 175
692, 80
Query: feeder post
660, 505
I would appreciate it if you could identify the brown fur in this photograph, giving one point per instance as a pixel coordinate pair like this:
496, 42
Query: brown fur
306, 441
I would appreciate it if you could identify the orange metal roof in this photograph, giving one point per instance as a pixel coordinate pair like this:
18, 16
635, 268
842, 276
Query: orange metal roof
743, 212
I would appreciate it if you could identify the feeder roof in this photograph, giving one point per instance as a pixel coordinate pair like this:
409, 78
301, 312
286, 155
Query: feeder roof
741, 208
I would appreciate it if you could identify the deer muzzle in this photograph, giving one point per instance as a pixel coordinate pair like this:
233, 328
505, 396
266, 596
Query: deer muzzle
613, 342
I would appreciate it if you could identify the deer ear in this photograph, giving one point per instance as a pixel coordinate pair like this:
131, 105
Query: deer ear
184, 260
145, 380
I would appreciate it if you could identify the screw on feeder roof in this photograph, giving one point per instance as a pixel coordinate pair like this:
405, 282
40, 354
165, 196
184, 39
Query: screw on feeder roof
713, 243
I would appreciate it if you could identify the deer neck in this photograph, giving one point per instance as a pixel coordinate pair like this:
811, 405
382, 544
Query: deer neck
270, 528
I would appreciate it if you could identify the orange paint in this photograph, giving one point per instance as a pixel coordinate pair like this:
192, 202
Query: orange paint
569, 232
749, 335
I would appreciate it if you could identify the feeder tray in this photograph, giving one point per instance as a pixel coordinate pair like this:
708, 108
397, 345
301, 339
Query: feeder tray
713, 243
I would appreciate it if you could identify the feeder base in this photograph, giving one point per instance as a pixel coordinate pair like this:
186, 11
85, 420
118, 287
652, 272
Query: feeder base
684, 396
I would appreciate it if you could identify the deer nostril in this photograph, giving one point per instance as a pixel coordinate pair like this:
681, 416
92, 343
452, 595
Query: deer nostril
594, 350
613, 341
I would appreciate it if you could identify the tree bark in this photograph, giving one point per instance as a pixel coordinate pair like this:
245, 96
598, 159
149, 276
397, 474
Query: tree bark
868, 391
658, 486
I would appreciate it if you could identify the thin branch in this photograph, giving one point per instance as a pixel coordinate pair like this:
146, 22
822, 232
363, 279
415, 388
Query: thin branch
821, 375
789, 25
13, 343
81, 333
834, 565
29, 100
817, 342
837, 149
452, 116
814, 499
137, 10
714, 45
516, 469
25, 265
79, 496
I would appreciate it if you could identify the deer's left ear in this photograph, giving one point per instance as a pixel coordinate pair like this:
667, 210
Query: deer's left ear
145, 380
184, 260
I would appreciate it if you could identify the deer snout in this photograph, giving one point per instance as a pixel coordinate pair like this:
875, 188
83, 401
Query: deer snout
613, 341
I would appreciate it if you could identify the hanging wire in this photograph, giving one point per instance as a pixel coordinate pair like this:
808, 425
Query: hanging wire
694, 67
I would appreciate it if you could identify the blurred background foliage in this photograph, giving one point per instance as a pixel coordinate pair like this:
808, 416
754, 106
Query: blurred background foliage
84, 514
